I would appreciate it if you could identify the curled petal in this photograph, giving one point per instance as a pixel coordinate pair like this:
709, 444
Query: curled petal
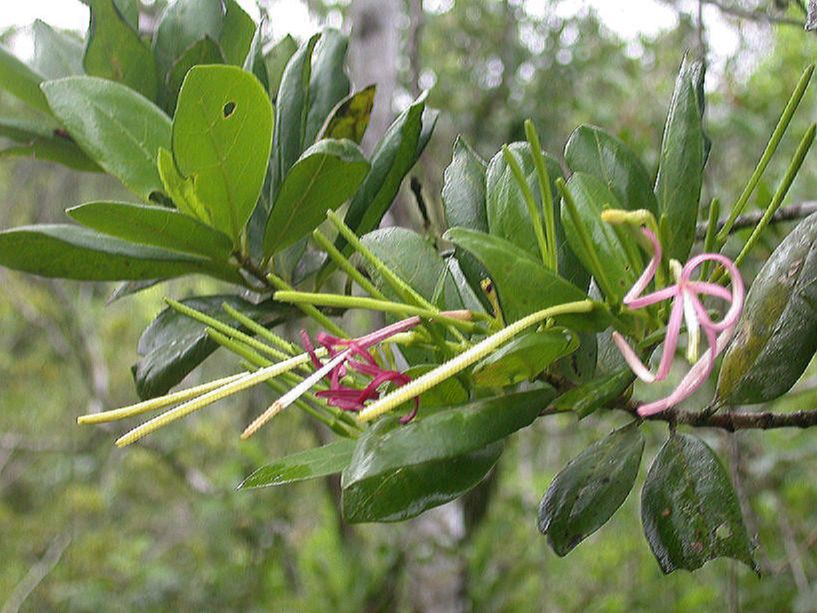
632, 359
657, 296
649, 272
671, 340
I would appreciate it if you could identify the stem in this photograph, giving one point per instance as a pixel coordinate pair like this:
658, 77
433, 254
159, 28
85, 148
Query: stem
346, 266
254, 326
750, 220
768, 152
360, 302
711, 228
467, 358
530, 202
544, 189
308, 309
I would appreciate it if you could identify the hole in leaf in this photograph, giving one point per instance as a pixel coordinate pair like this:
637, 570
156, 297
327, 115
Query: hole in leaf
229, 108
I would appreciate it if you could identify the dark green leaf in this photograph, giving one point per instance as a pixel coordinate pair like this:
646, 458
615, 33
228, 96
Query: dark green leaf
593, 151
22, 82
681, 163
40, 141
328, 83
617, 254
398, 472
776, 336
310, 464
523, 285
326, 175
596, 393
204, 51
222, 135
114, 51
524, 357
119, 129
590, 489
276, 60
350, 117
173, 345
183, 23
56, 53
689, 508
72, 252
152, 225
237, 33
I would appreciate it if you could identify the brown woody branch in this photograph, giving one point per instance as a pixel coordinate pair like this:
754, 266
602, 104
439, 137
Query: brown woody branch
749, 220
734, 420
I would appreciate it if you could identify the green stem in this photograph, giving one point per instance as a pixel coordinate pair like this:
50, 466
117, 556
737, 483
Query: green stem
530, 202
454, 366
346, 266
768, 152
710, 238
260, 330
308, 309
544, 189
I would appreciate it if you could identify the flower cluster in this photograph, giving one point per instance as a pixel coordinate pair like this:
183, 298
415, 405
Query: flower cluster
687, 307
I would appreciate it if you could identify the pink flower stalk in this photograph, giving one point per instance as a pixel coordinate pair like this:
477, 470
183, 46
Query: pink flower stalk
686, 305
359, 359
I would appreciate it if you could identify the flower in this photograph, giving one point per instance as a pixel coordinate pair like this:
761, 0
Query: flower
686, 305
360, 360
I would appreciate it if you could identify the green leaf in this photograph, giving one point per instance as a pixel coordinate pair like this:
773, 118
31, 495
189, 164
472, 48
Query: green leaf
237, 33
593, 151
523, 285
72, 252
776, 336
22, 82
183, 23
524, 357
114, 51
681, 162
328, 84
392, 159
350, 117
617, 254
590, 489
116, 127
222, 134
595, 394
689, 508
152, 225
310, 464
204, 51
397, 472
326, 175
276, 60
41, 142
291, 112
57, 54
173, 345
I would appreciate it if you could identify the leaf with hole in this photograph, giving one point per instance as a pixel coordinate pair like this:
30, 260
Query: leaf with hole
689, 508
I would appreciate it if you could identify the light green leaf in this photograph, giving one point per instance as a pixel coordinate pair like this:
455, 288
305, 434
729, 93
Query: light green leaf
22, 82
237, 33
57, 53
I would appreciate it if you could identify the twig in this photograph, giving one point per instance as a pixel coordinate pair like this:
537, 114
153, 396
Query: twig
735, 420
750, 220
37, 573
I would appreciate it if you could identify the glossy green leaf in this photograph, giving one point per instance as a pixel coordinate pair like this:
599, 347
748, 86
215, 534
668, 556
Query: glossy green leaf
72, 252
326, 175
618, 255
22, 82
523, 284
593, 151
302, 466
115, 126
689, 508
115, 51
204, 51
681, 162
595, 394
182, 24
398, 472
173, 345
237, 33
776, 336
448, 393
291, 112
580, 366
254, 62
41, 142
152, 225
525, 357
392, 159
350, 117
328, 83
590, 489
57, 53
222, 135
276, 60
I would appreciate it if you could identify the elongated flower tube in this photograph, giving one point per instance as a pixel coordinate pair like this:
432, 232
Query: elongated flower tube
686, 306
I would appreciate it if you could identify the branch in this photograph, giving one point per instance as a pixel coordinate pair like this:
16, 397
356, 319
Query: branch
753, 15
734, 420
37, 573
787, 213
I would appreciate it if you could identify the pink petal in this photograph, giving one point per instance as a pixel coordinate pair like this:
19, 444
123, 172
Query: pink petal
632, 359
657, 296
649, 272
671, 339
